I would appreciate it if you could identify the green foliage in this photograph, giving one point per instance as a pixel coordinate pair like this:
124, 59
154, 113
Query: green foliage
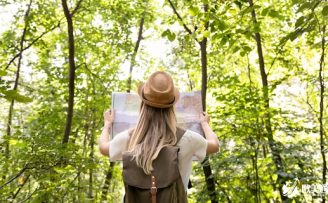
36, 167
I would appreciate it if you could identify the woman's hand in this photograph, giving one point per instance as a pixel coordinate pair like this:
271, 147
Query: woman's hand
211, 138
204, 118
108, 117
104, 137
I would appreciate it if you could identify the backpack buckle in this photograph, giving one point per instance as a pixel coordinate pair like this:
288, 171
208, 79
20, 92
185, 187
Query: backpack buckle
153, 190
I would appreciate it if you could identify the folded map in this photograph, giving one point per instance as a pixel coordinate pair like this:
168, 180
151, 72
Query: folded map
126, 107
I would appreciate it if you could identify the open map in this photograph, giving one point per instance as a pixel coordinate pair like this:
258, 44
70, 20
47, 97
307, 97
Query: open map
126, 107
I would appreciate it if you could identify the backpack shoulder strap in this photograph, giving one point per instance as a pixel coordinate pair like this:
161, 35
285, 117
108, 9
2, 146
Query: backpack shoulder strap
180, 132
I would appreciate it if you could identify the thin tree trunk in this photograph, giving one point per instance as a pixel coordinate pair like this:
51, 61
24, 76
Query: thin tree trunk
71, 55
109, 175
11, 107
256, 191
256, 145
267, 120
206, 165
321, 110
210, 183
135, 51
92, 143
86, 128
109, 172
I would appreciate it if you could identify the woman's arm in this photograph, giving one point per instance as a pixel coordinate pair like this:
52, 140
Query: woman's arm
211, 138
104, 137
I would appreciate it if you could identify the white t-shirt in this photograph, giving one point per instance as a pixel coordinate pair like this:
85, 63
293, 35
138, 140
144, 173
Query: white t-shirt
191, 145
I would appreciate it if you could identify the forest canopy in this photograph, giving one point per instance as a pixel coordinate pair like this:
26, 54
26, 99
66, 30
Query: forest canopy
260, 65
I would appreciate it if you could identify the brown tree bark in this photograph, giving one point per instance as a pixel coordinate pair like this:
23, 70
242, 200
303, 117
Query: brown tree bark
109, 175
134, 54
206, 165
267, 118
91, 156
72, 67
21, 186
210, 183
321, 110
254, 145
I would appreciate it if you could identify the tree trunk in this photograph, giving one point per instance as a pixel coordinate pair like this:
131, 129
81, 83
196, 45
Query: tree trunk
20, 56
92, 144
254, 145
267, 120
321, 109
109, 172
71, 48
109, 175
91, 156
206, 165
135, 51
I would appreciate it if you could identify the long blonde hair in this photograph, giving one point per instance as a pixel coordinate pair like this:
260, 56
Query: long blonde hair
156, 128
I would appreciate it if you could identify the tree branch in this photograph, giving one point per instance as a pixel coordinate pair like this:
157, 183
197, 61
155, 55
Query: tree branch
16, 176
31, 44
179, 17
71, 60
21, 186
30, 195
135, 51
21, 44
76, 7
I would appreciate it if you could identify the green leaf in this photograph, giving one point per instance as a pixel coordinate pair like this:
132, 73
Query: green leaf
224, 40
13, 94
275, 14
171, 36
299, 21
165, 33
325, 11
265, 11
306, 5
206, 34
17, 143
292, 36
59, 169
3, 73
221, 25
235, 49
193, 11
13, 142
247, 48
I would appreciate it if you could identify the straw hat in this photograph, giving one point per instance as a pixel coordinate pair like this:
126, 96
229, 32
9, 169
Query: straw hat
159, 90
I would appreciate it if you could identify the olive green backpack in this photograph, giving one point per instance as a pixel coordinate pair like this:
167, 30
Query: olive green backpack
163, 185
